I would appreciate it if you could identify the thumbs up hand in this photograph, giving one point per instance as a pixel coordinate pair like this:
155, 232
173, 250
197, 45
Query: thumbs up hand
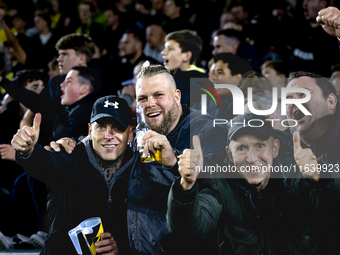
189, 164
305, 159
26, 137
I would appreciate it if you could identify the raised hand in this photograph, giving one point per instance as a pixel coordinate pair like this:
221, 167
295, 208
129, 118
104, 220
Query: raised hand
190, 163
27, 137
329, 18
305, 159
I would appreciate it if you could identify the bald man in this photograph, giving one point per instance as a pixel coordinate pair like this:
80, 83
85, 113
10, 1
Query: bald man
155, 36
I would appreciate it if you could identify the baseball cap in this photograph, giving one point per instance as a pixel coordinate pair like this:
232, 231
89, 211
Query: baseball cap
250, 123
112, 107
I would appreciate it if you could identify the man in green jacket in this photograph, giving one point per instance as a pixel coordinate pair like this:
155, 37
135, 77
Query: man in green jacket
268, 202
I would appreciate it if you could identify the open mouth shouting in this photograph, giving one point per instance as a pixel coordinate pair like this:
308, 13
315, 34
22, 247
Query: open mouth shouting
298, 115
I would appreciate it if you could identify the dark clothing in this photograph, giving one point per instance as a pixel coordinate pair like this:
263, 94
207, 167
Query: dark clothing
280, 219
10, 122
124, 69
111, 40
224, 111
46, 52
73, 121
80, 191
47, 103
309, 52
186, 85
152, 184
171, 25
326, 147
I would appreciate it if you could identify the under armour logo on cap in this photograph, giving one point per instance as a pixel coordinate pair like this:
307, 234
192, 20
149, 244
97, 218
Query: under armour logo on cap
108, 103
112, 107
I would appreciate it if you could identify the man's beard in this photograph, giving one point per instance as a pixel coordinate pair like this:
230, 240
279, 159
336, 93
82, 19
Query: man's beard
130, 56
169, 119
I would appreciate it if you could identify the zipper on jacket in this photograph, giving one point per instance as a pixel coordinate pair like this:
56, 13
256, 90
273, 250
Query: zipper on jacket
110, 201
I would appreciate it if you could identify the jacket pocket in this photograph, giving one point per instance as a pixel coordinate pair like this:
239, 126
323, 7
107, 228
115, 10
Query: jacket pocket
242, 240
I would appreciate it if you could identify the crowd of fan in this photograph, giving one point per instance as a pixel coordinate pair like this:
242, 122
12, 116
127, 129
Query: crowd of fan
47, 46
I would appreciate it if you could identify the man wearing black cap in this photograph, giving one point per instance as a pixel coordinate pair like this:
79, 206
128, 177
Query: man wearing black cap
256, 207
92, 182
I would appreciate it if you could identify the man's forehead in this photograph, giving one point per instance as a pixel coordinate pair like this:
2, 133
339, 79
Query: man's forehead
67, 51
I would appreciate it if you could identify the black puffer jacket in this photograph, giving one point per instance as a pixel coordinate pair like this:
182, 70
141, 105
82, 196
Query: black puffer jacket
287, 217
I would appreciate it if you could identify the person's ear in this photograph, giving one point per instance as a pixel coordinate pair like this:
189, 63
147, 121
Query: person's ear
84, 89
130, 134
82, 60
178, 97
230, 155
90, 131
276, 148
332, 102
187, 56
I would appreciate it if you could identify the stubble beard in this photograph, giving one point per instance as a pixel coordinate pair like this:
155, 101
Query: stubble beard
169, 119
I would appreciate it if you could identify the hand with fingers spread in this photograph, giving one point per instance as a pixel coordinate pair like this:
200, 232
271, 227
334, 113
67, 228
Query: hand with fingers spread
67, 143
305, 159
330, 20
7, 152
27, 137
188, 164
108, 246
153, 141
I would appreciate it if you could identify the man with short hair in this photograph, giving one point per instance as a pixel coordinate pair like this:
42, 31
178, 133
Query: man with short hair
232, 41
320, 129
130, 51
172, 125
92, 182
155, 37
255, 210
226, 41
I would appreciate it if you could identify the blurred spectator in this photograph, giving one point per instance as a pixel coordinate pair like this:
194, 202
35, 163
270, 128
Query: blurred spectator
131, 53
175, 20
264, 101
32, 80
256, 81
53, 68
335, 78
114, 31
308, 40
63, 19
226, 69
143, 14
276, 72
157, 11
44, 43
20, 22
15, 55
155, 39
181, 53
233, 41
88, 26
